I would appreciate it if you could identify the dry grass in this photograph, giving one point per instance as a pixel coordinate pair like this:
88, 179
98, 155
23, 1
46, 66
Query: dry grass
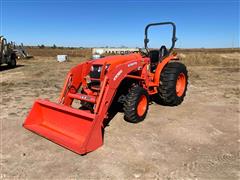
46, 52
208, 50
206, 59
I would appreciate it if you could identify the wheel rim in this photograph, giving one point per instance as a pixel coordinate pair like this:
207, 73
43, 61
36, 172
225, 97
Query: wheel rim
142, 105
181, 84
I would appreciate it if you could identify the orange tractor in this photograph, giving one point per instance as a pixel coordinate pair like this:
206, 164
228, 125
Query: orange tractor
131, 81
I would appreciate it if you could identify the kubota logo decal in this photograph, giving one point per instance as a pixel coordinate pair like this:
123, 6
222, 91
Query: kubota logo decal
132, 64
118, 74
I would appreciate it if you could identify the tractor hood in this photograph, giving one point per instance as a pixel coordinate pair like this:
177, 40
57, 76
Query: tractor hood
118, 59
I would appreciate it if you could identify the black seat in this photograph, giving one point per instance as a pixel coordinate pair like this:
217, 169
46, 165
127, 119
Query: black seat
154, 59
162, 52
156, 56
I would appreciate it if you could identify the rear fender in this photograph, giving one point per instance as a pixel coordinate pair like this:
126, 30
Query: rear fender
160, 68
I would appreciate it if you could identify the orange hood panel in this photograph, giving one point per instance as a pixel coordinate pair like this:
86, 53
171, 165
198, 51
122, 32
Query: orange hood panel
117, 59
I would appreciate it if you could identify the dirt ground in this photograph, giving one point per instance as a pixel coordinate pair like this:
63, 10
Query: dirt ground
196, 140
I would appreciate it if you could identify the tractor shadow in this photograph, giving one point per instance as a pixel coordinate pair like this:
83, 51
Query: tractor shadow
117, 108
113, 110
6, 68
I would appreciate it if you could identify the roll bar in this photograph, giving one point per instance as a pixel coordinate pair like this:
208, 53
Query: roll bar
174, 39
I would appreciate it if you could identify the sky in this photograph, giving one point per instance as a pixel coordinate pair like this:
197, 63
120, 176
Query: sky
82, 23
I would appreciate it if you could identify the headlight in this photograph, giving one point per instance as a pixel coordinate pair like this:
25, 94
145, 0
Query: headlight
107, 66
98, 68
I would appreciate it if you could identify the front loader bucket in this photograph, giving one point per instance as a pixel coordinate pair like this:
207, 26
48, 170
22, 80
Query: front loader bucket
74, 129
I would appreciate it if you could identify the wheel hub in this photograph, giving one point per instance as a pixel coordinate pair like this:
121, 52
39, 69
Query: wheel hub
142, 105
181, 84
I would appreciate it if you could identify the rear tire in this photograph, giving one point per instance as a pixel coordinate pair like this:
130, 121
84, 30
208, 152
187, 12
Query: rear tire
173, 85
135, 106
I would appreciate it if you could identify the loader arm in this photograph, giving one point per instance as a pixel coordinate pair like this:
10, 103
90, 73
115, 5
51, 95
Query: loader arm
110, 84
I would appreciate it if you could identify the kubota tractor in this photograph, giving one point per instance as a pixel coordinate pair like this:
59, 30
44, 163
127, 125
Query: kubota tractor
131, 80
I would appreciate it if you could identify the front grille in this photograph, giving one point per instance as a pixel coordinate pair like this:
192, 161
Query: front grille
95, 71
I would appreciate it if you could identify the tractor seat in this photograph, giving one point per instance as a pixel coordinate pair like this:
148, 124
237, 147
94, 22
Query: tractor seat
163, 51
156, 56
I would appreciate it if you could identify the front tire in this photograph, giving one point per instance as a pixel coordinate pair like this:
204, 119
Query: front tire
173, 84
136, 104
12, 63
